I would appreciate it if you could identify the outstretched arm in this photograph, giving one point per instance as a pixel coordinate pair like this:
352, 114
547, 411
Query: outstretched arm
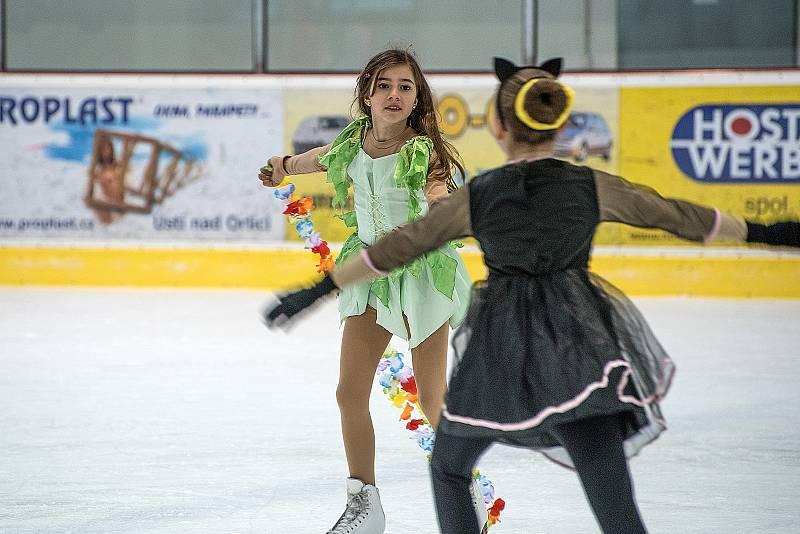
289, 165
448, 220
639, 205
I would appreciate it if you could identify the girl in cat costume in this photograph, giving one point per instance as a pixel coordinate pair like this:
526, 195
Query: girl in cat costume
550, 357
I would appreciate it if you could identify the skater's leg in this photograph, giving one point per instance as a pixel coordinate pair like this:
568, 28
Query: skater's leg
363, 344
430, 371
451, 469
596, 448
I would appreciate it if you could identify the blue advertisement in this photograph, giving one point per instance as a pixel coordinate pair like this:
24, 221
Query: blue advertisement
747, 144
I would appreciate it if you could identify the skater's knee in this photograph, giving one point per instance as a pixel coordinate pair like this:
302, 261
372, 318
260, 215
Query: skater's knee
441, 470
447, 466
350, 398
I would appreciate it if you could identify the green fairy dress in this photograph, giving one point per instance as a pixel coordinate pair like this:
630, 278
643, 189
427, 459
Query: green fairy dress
387, 193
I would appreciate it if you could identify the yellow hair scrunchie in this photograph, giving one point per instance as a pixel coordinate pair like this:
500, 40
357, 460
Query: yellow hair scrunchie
530, 122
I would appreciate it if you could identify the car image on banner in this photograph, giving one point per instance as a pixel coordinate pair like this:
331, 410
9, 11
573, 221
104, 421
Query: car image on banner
584, 134
317, 130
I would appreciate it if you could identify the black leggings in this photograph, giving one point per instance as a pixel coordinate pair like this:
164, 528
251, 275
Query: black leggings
596, 448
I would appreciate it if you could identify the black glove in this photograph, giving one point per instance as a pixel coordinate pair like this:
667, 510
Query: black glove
782, 234
291, 304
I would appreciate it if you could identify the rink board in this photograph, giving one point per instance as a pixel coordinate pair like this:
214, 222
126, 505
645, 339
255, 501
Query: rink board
650, 272
668, 130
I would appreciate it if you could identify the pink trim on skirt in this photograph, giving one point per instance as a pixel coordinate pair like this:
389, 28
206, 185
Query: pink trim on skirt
567, 405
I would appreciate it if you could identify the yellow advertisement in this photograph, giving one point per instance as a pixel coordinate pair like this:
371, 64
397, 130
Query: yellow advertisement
734, 148
588, 137
315, 115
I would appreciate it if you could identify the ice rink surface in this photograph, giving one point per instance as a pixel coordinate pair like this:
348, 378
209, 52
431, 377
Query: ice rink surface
171, 411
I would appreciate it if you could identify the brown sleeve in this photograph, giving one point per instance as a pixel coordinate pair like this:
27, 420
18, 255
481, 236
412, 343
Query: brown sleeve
352, 271
437, 171
306, 162
435, 188
638, 205
450, 219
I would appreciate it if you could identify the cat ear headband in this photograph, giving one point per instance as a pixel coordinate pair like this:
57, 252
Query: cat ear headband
549, 70
504, 69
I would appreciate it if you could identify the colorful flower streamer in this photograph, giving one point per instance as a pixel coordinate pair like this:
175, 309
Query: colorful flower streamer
394, 375
398, 382
299, 212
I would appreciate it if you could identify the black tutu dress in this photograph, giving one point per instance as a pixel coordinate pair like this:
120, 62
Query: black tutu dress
545, 341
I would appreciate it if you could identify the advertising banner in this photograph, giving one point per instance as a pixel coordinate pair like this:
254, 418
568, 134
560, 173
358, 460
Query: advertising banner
144, 159
138, 160
315, 114
733, 147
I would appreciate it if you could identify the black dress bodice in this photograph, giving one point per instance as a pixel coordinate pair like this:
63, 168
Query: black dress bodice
534, 218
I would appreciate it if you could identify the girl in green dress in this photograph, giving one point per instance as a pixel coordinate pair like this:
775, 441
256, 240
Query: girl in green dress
394, 158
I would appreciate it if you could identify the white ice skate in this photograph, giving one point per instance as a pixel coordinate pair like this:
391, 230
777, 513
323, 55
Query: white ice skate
480, 508
364, 513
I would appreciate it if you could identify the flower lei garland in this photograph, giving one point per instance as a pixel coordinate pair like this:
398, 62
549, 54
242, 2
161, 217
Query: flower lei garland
394, 375
400, 387
299, 212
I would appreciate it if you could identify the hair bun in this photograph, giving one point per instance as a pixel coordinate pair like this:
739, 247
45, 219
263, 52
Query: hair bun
551, 94
543, 103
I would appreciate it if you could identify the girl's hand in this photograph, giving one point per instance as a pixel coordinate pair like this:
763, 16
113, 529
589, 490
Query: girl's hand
273, 173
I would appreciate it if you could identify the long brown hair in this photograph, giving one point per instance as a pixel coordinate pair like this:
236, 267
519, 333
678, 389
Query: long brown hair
423, 118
